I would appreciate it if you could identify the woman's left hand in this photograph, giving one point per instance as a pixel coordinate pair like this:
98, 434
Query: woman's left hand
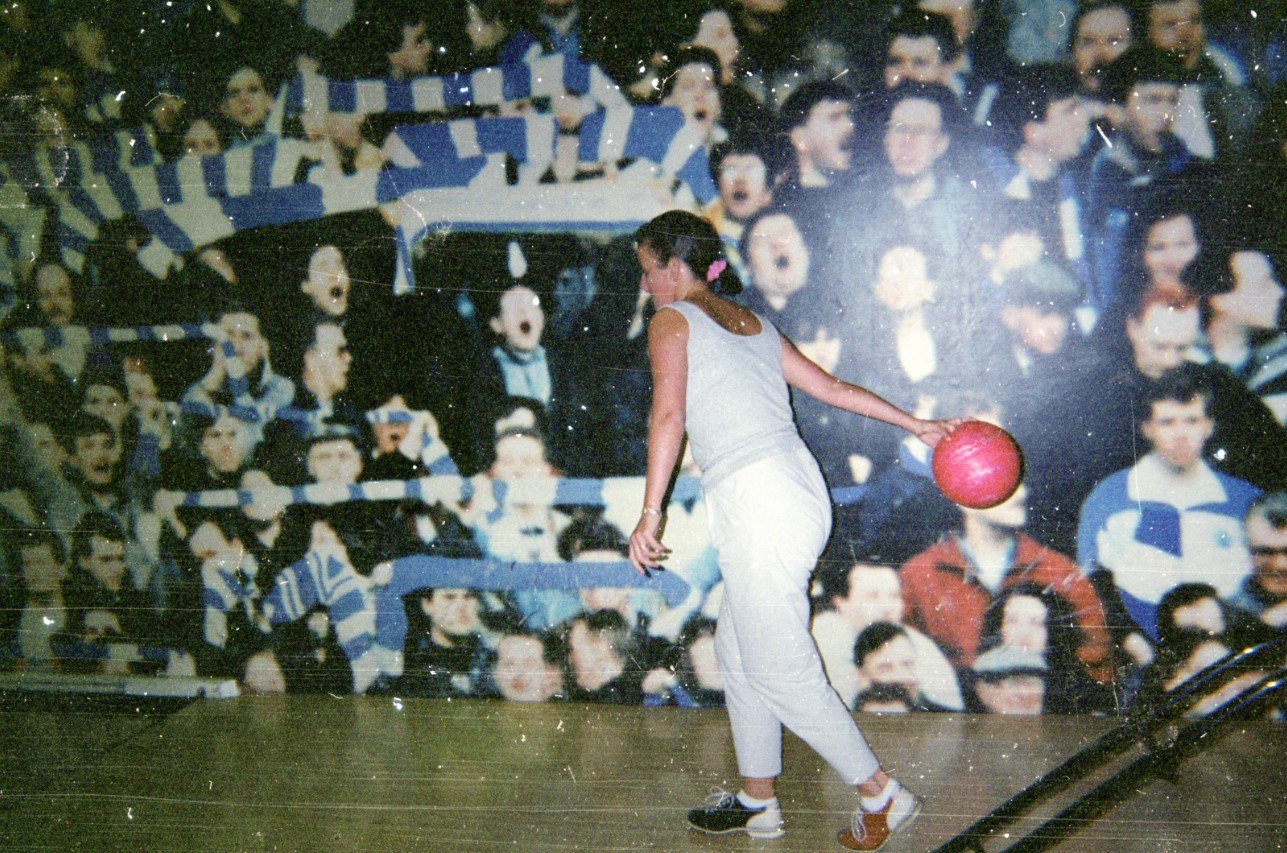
646, 550
932, 432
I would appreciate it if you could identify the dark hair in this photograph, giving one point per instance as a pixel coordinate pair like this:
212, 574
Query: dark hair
754, 222
688, 55
1211, 273
1141, 63
800, 103
837, 583
748, 142
693, 240
884, 693
1044, 285
1027, 96
873, 637
1182, 384
83, 424
1272, 506
39, 537
613, 626
915, 24
94, 523
1063, 635
1183, 595
1088, 6
591, 533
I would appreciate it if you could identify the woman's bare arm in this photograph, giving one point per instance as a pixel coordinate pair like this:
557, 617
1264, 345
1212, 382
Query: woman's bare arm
818, 383
668, 353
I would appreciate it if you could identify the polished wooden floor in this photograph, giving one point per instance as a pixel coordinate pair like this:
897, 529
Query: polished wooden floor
370, 774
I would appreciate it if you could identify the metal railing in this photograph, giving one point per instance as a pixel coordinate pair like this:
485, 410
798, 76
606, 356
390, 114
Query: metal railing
1140, 728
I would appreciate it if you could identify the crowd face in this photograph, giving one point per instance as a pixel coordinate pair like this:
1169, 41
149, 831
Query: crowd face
902, 280
1177, 431
893, 663
41, 571
1063, 133
96, 457
201, 139
334, 461
246, 101
1102, 36
826, 138
1019, 694
328, 360
1037, 330
1176, 27
744, 185
223, 445
452, 613
166, 111
914, 138
241, 329
54, 294
1150, 112
519, 456
411, 57
521, 319
521, 672
715, 32
1268, 546
917, 59
1169, 247
594, 662
1162, 338
1257, 296
1023, 624
777, 256
695, 92
875, 595
328, 283
105, 562
107, 402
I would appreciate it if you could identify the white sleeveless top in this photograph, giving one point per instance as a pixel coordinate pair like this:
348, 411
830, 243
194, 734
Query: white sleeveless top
738, 408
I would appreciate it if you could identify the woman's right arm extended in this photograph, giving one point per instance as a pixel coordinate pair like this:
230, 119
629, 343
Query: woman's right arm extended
668, 353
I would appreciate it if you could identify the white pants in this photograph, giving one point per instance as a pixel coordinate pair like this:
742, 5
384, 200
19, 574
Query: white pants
769, 523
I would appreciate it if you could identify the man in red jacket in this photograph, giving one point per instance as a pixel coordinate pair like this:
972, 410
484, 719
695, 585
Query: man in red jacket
948, 586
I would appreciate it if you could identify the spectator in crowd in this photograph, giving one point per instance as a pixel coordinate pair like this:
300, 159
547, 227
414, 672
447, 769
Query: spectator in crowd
213, 457
444, 648
884, 699
690, 83
1242, 301
98, 583
864, 594
201, 138
521, 364
1170, 518
1224, 109
1263, 594
920, 46
528, 667
1034, 619
817, 120
1141, 157
1046, 126
1248, 442
1101, 31
324, 374
43, 562
44, 391
1010, 680
309, 657
251, 382
1042, 372
884, 654
745, 172
696, 681
948, 588
604, 660
233, 629
245, 106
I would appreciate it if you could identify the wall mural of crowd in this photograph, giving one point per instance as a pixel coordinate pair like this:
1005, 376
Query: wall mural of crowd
324, 364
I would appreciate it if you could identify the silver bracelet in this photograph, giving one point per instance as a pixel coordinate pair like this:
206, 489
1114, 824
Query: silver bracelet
652, 511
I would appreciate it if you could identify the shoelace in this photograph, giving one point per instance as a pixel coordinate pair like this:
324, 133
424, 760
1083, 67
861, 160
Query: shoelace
719, 799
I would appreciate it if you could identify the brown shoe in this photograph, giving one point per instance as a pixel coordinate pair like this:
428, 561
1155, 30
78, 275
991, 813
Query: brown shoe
870, 830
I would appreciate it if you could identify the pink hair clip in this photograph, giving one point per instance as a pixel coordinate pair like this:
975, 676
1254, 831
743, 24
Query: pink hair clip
716, 267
